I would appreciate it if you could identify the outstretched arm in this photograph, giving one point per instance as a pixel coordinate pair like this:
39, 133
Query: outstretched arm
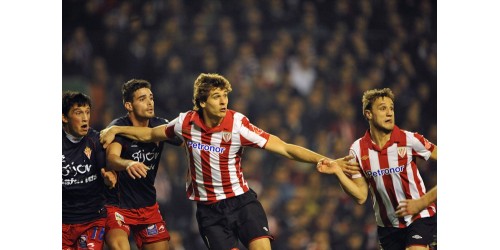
298, 153
142, 134
356, 188
412, 207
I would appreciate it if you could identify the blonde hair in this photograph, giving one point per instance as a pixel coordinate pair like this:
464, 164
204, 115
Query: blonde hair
371, 95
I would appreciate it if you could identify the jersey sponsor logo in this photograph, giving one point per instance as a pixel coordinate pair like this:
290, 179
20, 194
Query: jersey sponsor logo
226, 136
87, 152
152, 230
382, 172
401, 151
205, 147
143, 156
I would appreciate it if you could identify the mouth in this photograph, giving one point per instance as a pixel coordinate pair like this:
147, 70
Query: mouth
85, 127
223, 110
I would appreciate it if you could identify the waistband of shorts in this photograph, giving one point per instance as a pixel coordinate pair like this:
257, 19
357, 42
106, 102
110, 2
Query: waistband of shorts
238, 198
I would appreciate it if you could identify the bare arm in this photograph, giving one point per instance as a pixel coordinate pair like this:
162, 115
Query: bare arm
356, 188
115, 162
142, 134
412, 207
298, 153
292, 151
434, 154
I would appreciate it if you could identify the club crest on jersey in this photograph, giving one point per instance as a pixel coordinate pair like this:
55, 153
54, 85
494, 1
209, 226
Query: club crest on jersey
401, 151
364, 157
226, 136
87, 152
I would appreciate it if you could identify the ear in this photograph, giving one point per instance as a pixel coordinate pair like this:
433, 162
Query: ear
368, 114
203, 104
64, 119
128, 106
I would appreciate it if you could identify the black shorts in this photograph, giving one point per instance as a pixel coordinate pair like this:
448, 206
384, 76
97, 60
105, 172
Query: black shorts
421, 232
223, 223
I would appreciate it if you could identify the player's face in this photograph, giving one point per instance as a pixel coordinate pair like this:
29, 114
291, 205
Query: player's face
382, 114
216, 104
78, 121
143, 104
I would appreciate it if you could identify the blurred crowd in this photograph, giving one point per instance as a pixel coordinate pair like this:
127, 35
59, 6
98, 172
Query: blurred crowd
298, 70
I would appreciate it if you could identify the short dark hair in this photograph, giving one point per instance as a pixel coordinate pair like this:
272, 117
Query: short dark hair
131, 86
206, 82
70, 98
371, 95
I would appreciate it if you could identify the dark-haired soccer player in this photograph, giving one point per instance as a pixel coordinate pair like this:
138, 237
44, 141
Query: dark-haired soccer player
83, 186
214, 137
132, 205
387, 157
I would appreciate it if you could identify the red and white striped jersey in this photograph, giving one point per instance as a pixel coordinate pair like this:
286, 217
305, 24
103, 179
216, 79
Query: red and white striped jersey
392, 174
214, 154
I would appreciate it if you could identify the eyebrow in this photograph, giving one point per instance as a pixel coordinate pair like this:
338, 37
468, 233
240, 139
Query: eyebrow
219, 93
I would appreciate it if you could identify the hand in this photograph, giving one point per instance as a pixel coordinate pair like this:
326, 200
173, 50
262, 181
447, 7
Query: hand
328, 166
349, 165
109, 178
410, 207
106, 136
137, 169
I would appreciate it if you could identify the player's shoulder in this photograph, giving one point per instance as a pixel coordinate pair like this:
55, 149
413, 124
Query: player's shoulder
93, 138
93, 133
356, 144
157, 121
120, 121
236, 115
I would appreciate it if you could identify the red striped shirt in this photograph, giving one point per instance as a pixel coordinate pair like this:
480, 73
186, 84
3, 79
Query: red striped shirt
214, 154
392, 174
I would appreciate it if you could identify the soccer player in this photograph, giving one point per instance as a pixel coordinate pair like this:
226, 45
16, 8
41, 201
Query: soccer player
387, 157
83, 176
132, 207
214, 136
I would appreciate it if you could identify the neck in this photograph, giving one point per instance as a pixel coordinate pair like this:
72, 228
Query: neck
138, 122
211, 121
72, 138
379, 137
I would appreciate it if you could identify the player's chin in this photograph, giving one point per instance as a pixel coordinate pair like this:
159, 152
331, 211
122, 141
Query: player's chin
83, 132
